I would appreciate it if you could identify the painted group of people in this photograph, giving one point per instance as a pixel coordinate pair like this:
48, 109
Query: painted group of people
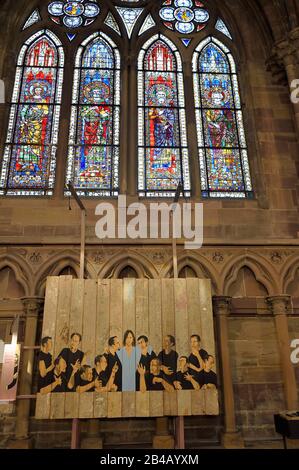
132, 366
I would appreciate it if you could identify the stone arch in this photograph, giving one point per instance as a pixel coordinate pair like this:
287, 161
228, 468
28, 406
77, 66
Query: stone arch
21, 271
201, 266
259, 268
127, 272
58, 263
289, 275
143, 267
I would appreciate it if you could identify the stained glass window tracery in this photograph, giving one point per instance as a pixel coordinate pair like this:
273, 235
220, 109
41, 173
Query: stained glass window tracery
28, 166
93, 158
162, 140
222, 143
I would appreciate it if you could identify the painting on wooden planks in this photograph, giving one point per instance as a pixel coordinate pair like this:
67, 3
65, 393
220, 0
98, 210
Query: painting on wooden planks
116, 348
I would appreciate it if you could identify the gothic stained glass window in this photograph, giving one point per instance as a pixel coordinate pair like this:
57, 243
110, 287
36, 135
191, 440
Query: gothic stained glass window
93, 158
162, 140
29, 161
222, 144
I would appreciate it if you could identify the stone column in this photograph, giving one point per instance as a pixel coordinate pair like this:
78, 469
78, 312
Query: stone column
162, 438
279, 305
32, 306
288, 53
231, 438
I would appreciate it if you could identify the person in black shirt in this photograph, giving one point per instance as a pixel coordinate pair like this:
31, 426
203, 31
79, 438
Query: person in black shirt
57, 378
197, 356
106, 383
73, 356
45, 362
147, 354
112, 359
207, 378
169, 358
157, 379
85, 381
183, 380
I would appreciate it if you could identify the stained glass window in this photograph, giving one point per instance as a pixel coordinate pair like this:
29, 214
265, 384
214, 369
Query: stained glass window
162, 139
28, 166
94, 129
129, 17
184, 16
32, 19
221, 137
74, 14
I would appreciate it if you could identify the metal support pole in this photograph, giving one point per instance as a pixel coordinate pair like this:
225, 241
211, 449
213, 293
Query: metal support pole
75, 422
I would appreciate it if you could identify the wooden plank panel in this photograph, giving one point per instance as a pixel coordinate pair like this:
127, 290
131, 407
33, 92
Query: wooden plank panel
100, 405
89, 320
156, 403
198, 402
141, 298
114, 405
168, 317
182, 338
170, 400
57, 405
77, 307
128, 404
142, 403
155, 337
103, 310
155, 313
71, 405
184, 402
62, 337
43, 404
211, 402
116, 322
206, 310
86, 405
194, 312
63, 314
50, 308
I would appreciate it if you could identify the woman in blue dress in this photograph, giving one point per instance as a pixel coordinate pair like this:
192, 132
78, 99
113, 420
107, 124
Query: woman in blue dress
129, 356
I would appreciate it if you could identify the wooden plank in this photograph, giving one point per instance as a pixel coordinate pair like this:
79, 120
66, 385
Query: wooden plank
103, 310
194, 312
184, 402
170, 400
50, 308
156, 404
100, 405
77, 307
116, 314
57, 405
43, 404
71, 405
142, 403
206, 312
62, 337
89, 320
128, 404
114, 405
86, 405
168, 317
198, 402
182, 338
155, 337
211, 402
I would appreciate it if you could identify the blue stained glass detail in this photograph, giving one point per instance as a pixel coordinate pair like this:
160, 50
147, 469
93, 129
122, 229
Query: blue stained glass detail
74, 14
186, 41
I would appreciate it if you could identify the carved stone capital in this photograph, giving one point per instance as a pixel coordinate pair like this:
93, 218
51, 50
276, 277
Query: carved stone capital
32, 305
279, 304
222, 305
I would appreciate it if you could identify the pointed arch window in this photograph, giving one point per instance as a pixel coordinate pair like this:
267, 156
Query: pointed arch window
222, 143
163, 159
28, 166
93, 157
